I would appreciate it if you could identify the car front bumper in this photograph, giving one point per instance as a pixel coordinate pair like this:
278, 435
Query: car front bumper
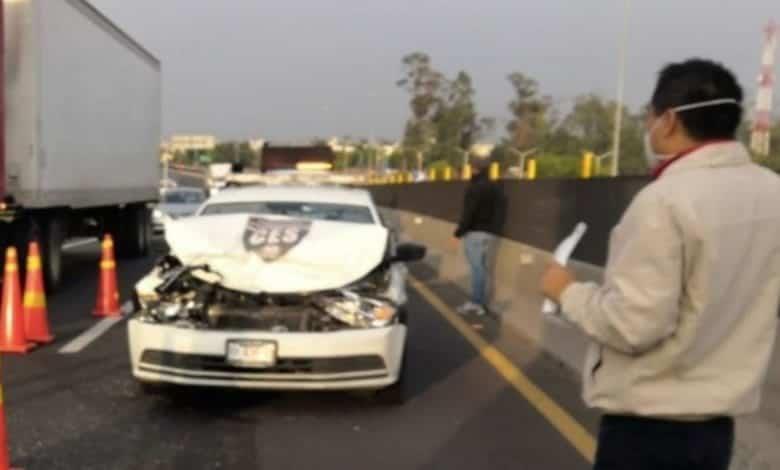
352, 359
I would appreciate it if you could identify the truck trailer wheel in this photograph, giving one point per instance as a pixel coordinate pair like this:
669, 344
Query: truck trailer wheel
52, 236
131, 229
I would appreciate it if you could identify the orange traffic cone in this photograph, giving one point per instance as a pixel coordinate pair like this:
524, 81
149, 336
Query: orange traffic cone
12, 338
107, 295
36, 318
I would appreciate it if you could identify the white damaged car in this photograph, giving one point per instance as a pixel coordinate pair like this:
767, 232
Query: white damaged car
276, 288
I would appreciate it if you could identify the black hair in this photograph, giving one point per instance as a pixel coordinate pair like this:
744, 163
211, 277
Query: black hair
697, 80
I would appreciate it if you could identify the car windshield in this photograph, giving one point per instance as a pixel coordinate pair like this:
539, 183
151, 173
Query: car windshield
183, 197
301, 210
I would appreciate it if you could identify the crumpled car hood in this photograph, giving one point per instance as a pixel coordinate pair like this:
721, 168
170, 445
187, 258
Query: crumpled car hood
278, 255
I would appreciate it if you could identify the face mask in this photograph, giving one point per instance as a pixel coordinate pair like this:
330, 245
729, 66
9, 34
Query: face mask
653, 158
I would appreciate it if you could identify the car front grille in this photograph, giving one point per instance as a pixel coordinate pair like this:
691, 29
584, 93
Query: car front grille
284, 366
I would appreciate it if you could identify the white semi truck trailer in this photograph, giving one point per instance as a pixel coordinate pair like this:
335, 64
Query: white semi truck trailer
79, 151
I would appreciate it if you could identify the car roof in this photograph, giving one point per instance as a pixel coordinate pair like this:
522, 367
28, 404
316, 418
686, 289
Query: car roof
302, 193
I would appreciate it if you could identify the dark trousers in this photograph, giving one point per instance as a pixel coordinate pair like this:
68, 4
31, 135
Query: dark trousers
633, 443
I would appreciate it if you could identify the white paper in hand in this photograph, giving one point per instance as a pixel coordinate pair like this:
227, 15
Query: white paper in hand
562, 254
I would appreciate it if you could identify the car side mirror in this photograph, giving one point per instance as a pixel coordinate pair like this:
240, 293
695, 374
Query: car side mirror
409, 253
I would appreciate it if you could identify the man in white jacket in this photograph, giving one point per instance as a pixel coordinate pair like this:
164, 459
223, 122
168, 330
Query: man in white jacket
683, 326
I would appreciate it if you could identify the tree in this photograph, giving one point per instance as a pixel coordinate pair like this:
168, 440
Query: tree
590, 122
232, 152
424, 85
529, 124
444, 121
456, 123
590, 127
773, 160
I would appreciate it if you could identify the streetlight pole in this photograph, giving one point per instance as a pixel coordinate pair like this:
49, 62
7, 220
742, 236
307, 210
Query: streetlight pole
521, 157
599, 159
620, 92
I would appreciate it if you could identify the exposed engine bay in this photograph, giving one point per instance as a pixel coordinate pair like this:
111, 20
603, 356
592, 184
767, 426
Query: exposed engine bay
192, 297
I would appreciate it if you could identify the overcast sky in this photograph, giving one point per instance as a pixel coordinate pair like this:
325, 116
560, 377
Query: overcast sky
301, 68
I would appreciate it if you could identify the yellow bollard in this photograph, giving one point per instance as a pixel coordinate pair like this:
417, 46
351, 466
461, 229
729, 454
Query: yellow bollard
466, 172
495, 171
587, 165
432, 174
448, 173
409, 177
531, 172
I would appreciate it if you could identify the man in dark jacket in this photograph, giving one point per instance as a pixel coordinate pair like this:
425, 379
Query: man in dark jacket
479, 224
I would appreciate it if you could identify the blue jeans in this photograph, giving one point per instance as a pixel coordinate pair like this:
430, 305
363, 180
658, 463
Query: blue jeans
477, 246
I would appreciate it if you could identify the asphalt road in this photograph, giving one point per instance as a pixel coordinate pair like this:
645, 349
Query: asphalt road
84, 411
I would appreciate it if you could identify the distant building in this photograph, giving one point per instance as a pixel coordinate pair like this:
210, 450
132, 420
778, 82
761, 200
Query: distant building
344, 146
389, 149
190, 143
256, 144
339, 146
277, 157
482, 149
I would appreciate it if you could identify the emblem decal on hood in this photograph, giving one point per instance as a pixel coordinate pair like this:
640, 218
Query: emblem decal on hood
272, 239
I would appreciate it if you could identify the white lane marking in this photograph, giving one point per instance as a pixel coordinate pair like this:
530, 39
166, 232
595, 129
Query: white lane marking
84, 339
78, 243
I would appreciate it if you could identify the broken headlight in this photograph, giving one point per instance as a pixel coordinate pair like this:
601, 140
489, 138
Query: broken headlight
388, 283
359, 311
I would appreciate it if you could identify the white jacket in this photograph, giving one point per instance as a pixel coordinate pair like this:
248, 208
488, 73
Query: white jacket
685, 322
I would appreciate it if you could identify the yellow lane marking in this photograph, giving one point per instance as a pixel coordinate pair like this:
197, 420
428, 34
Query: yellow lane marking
563, 422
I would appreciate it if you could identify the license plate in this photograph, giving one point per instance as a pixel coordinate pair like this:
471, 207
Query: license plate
259, 354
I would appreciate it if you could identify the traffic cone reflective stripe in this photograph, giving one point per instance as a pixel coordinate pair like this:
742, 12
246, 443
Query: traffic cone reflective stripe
36, 317
12, 336
34, 300
107, 304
